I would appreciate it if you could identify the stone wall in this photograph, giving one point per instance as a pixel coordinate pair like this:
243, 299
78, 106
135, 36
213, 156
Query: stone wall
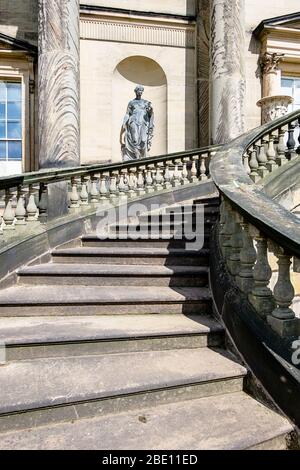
256, 11
177, 7
19, 19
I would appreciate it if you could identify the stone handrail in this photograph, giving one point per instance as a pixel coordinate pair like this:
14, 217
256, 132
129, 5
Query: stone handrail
26, 195
249, 215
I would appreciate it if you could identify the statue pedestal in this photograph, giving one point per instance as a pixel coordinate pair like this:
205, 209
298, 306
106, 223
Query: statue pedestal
273, 107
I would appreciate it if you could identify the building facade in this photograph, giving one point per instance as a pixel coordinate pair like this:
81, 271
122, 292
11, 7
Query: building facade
204, 65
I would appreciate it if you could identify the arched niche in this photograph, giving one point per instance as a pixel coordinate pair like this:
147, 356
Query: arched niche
127, 74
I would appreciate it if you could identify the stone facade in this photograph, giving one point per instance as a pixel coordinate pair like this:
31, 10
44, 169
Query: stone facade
174, 48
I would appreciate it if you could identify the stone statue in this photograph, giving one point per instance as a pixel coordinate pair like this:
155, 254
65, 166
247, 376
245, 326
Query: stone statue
138, 127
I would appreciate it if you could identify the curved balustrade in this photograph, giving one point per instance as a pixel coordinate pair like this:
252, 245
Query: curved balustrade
253, 227
25, 196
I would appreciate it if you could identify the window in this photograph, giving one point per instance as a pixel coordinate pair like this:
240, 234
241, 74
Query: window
291, 87
10, 121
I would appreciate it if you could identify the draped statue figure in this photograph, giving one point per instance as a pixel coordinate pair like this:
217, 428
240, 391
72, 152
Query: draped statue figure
137, 127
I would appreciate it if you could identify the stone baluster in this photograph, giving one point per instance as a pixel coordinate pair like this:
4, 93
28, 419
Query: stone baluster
253, 163
262, 160
167, 176
291, 144
203, 175
31, 208
103, 190
244, 278
162, 173
158, 178
149, 180
261, 295
271, 154
122, 187
74, 196
283, 318
43, 202
194, 171
94, 193
141, 181
84, 196
184, 174
236, 243
8, 214
131, 183
281, 158
246, 158
20, 213
176, 175
113, 190
228, 231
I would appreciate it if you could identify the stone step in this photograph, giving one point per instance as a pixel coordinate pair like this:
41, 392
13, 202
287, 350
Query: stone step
238, 423
114, 275
86, 300
209, 210
39, 391
177, 217
34, 337
132, 255
166, 228
161, 240
213, 201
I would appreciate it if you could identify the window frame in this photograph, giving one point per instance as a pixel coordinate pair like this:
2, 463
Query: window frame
6, 121
294, 79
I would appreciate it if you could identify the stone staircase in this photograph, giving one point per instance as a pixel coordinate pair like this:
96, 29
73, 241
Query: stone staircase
113, 345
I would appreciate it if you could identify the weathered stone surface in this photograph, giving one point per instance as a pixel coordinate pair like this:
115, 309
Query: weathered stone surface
58, 83
227, 69
186, 425
53, 381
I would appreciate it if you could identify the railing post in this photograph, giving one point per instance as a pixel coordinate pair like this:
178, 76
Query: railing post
167, 184
8, 214
74, 196
94, 193
43, 202
84, 196
20, 213
261, 295
271, 154
141, 181
31, 208
245, 280
281, 158
291, 144
253, 163
236, 243
282, 319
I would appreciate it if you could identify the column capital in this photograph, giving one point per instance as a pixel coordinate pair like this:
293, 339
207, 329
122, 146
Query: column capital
269, 62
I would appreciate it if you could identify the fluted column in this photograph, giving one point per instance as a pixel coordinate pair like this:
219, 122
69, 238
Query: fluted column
58, 73
227, 69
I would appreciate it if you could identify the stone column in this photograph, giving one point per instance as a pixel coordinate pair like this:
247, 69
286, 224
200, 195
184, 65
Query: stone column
58, 85
273, 105
227, 69
203, 71
58, 72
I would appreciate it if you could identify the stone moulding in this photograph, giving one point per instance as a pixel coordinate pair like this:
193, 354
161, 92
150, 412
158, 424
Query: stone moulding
139, 33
